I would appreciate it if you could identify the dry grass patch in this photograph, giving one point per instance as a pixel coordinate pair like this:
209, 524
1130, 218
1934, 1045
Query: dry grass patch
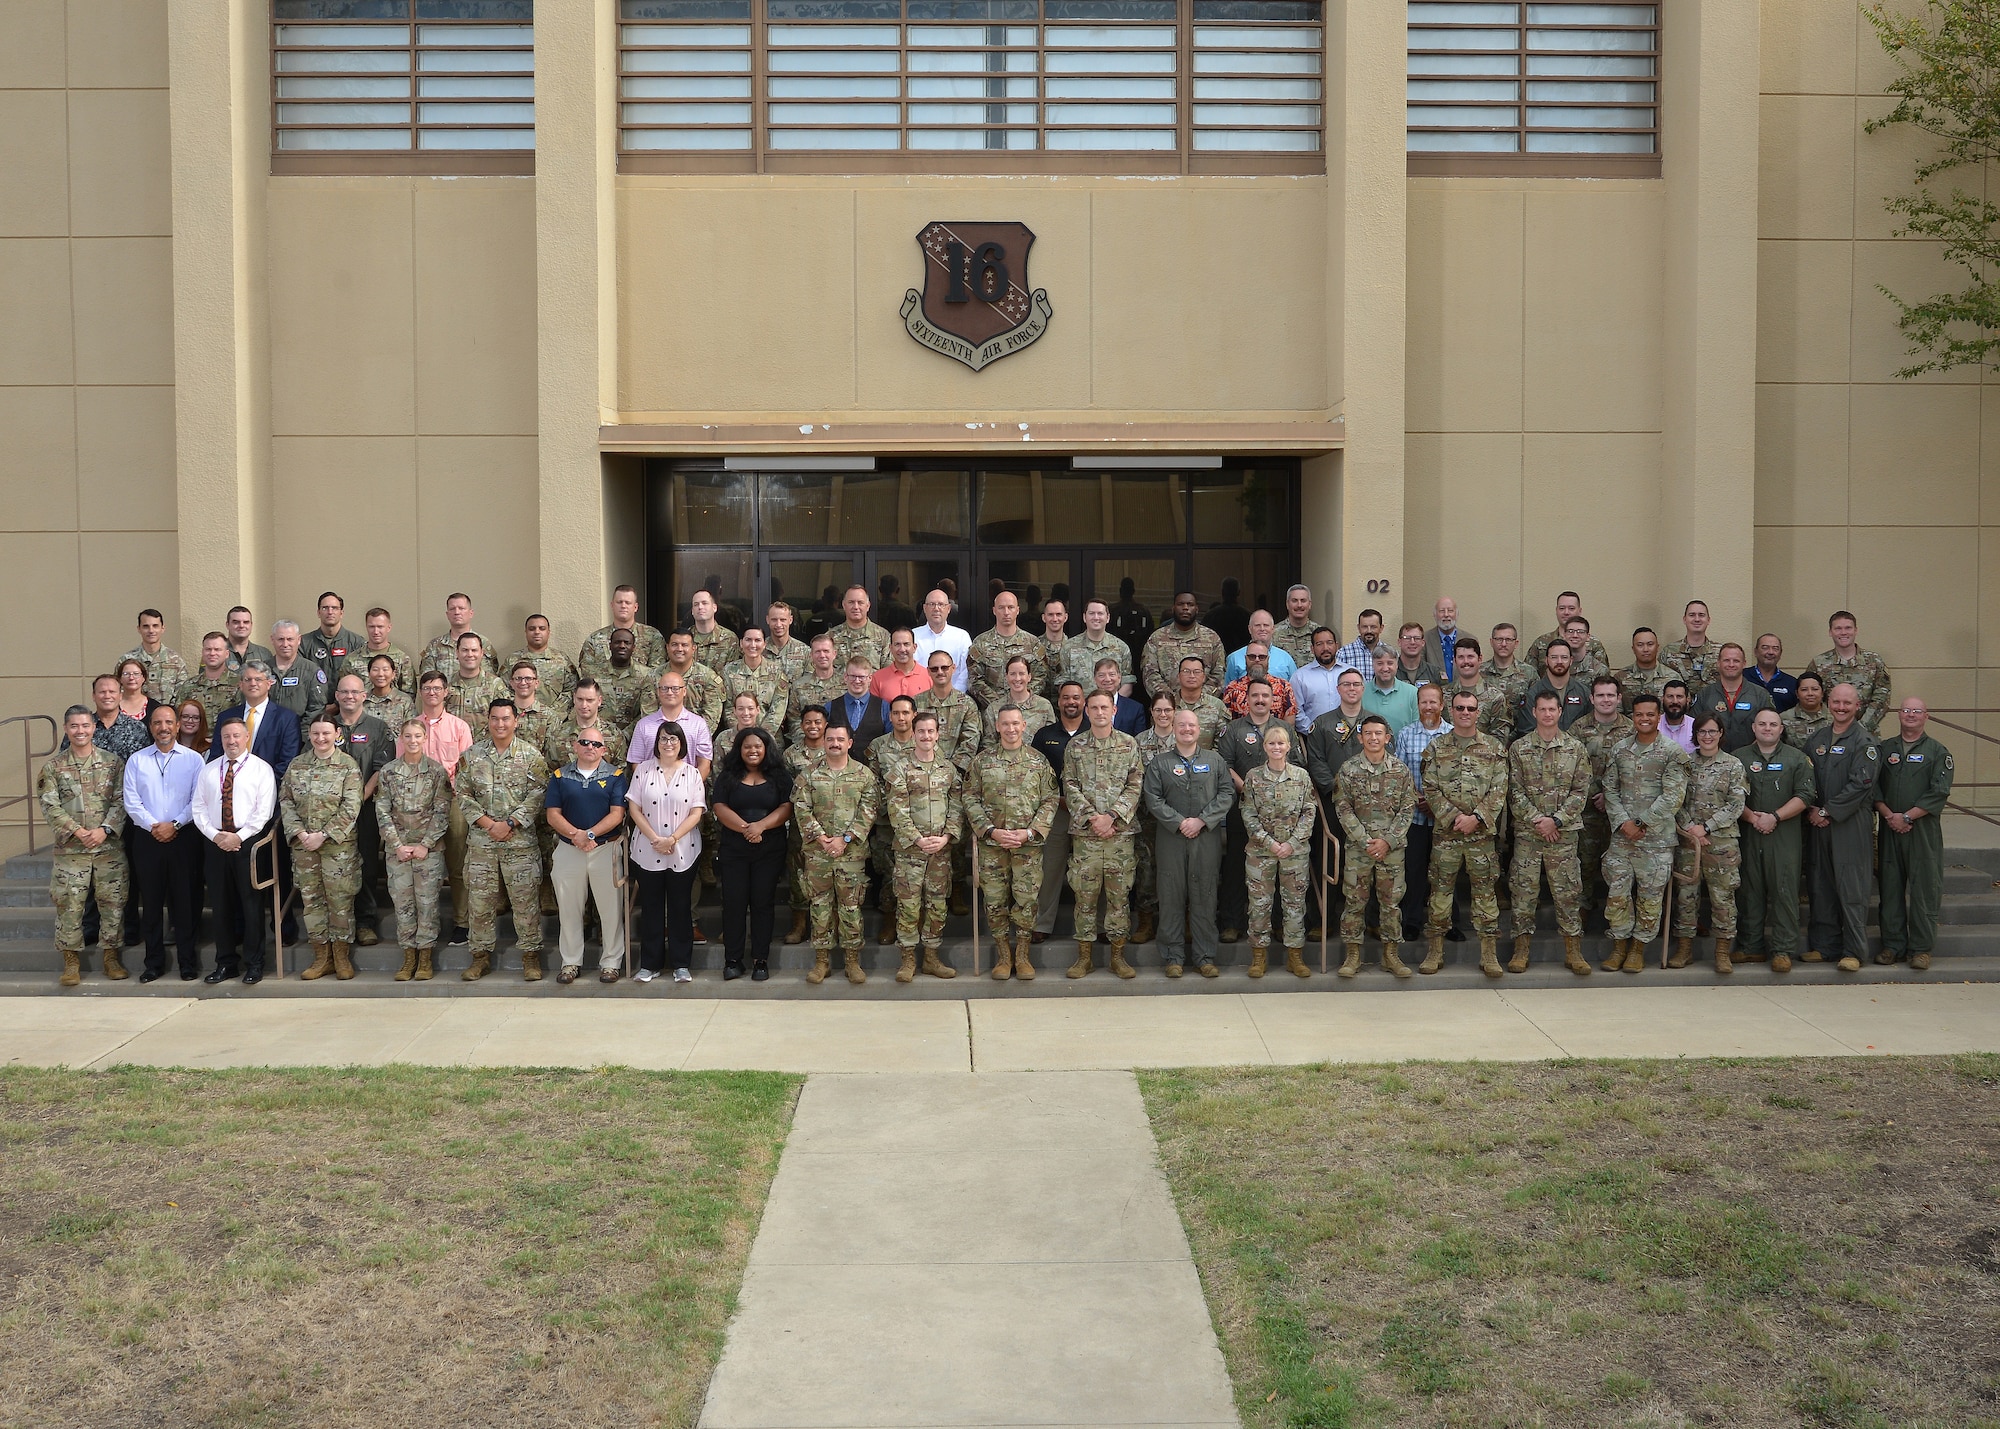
395, 1247
1740, 1243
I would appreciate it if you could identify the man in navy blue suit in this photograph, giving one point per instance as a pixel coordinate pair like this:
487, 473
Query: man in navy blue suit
274, 738
863, 714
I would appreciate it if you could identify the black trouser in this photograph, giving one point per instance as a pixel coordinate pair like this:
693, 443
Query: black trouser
238, 908
666, 916
168, 876
1233, 903
1416, 883
368, 834
749, 874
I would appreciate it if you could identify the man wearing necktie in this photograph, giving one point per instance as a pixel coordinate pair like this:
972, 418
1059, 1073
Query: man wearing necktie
233, 802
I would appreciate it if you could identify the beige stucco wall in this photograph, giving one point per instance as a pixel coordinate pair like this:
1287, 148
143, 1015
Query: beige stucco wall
87, 523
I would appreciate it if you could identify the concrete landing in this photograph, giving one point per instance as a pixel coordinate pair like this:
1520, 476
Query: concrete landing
960, 1251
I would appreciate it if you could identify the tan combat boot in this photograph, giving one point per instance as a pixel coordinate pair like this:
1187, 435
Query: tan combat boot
822, 965
1118, 964
1635, 956
1024, 967
1260, 959
114, 965
1352, 963
1519, 962
1295, 962
1573, 955
1617, 959
937, 967
72, 972
1683, 953
1489, 957
1149, 926
1433, 956
1722, 963
852, 958
322, 963
907, 971
425, 967
799, 928
531, 967
1085, 963
482, 964
1003, 958
343, 961
1781, 964
366, 937
1920, 962
409, 967
1392, 962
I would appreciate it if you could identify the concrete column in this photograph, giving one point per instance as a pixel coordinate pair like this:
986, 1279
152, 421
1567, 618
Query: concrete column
1367, 217
1708, 149
219, 109
576, 67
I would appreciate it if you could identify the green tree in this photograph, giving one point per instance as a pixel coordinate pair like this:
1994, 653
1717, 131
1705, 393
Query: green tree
1949, 87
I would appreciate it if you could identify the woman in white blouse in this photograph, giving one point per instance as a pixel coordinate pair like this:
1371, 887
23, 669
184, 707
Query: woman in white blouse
666, 799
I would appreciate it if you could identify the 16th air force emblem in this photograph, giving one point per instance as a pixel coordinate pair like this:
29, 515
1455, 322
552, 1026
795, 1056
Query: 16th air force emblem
976, 305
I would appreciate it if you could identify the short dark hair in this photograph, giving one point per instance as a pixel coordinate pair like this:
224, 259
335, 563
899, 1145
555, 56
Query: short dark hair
375, 610
336, 595
88, 713
898, 700
1367, 720
503, 700
1611, 680
1366, 613
1645, 630
1257, 680
1468, 642
1577, 620
537, 616
1645, 697
234, 608
1571, 594
1196, 659
220, 725
429, 675
1809, 675
1319, 630
588, 682
1505, 625
468, 635
390, 660
1550, 695
1840, 615
1680, 685
1707, 717
1693, 603
152, 612
1065, 684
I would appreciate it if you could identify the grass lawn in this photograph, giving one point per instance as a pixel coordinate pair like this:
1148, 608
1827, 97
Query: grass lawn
385, 1248
1591, 1244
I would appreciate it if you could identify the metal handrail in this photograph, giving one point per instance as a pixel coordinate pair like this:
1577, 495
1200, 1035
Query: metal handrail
29, 754
1329, 870
278, 903
1963, 729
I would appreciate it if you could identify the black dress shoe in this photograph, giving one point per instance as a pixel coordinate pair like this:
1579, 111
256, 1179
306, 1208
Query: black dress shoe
731, 971
146, 977
219, 975
190, 976
760, 971
252, 978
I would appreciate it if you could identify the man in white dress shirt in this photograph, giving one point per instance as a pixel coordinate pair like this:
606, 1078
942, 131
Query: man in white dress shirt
233, 803
934, 634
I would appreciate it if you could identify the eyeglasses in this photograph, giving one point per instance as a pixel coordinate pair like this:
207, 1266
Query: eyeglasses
590, 743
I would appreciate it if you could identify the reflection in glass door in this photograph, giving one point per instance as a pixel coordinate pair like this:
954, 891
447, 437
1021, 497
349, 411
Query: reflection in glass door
813, 582
1032, 579
914, 577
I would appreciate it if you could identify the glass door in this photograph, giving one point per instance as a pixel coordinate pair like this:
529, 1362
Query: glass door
812, 582
898, 581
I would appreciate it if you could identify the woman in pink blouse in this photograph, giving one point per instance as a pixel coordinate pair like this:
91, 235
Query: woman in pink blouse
666, 800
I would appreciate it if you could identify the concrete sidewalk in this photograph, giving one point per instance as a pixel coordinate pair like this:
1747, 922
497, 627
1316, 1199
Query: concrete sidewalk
985, 1250
1743, 1019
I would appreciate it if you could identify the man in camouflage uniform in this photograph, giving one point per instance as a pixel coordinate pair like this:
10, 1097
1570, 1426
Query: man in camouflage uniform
215, 686
165, 670
1375, 799
1694, 654
1549, 784
1779, 789
503, 783
473, 686
626, 684
1081, 653
413, 810
959, 726
715, 645
320, 801
922, 796
834, 804
704, 690
442, 653
1709, 854
1175, 642
857, 637
1586, 655
803, 754
1848, 664
1293, 634
883, 755
1645, 781
813, 690
1193, 693
793, 657
1496, 716
1465, 783
1102, 781
82, 795
1569, 603
533, 720
1910, 795
1010, 802
376, 642
762, 676
556, 671
992, 649
586, 711
649, 646
1279, 810
1599, 732
1645, 675
1240, 746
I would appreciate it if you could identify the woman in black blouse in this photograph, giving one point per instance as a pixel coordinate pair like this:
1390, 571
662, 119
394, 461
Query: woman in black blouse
752, 802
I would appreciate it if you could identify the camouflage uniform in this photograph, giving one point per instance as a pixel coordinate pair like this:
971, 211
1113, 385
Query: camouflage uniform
78, 794
1496, 711
717, 649
959, 725
1145, 848
1212, 714
1277, 808
923, 800
794, 658
1080, 657
986, 663
355, 662
626, 693
1513, 682
469, 699
442, 655
392, 709
214, 694
1800, 726
1867, 672
798, 759
1102, 777
413, 806
512, 785
885, 755
1464, 776
649, 648
1010, 789
535, 724
869, 642
166, 672
1696, 663
557, 671
1716, 790
323, 796
1633, 681
1036, 710
1374, 801
809, 692
557, 748
1169, 645
767, 682
1643, 784
1599, 740
1295, 640
1549, 779
1537, 657
836, 803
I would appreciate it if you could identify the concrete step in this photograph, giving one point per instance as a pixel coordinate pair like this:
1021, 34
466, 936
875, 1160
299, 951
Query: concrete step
24, 893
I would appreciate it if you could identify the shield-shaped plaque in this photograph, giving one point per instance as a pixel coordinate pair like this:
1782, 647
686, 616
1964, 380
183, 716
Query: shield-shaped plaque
976, 305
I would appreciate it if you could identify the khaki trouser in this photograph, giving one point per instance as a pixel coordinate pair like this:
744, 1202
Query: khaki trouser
578, 875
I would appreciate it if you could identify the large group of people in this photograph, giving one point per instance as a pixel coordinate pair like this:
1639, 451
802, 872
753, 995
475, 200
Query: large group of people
1183, 791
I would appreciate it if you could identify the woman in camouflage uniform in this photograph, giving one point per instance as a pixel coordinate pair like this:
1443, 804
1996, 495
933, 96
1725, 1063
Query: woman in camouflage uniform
1279, 806
320, 798
1034, 709
1156, 740
1809, 713
1710, 853
413, 808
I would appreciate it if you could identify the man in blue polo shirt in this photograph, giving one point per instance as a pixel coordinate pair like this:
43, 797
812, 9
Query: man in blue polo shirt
1782, 688
586, 804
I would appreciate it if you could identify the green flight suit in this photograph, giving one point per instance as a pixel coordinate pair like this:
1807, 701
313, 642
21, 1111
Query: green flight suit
1914, 776
1767, 901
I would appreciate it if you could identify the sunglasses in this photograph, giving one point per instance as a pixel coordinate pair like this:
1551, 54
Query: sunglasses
591, 743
